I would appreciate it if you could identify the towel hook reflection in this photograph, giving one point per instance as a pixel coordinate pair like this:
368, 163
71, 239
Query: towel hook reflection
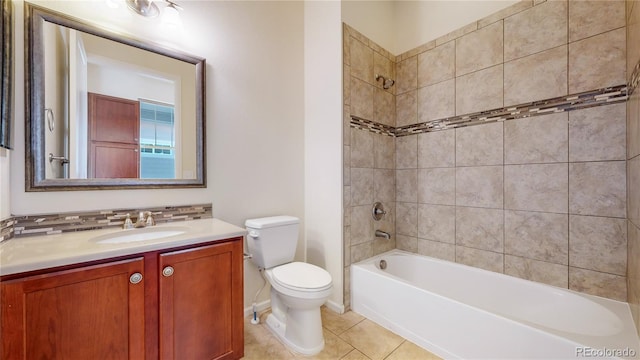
63, 160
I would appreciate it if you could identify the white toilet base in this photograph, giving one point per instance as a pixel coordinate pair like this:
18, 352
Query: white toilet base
308, 341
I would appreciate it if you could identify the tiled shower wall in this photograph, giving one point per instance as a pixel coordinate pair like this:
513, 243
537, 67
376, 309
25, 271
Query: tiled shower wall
633, 160
369, 158
542, 198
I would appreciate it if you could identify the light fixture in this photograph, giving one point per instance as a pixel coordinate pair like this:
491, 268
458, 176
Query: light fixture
170, 15
148, 8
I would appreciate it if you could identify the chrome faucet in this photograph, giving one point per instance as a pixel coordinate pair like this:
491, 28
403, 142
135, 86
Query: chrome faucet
145, 218
383, 234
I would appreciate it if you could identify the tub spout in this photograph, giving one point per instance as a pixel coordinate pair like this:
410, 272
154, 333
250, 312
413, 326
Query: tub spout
383, 234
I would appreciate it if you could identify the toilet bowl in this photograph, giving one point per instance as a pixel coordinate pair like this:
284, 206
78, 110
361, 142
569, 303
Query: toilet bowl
298, 289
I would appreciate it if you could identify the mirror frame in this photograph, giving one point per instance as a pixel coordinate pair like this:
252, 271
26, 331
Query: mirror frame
35, 180
6, 90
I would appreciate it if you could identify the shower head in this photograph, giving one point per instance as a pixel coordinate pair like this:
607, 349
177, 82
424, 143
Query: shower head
386, 82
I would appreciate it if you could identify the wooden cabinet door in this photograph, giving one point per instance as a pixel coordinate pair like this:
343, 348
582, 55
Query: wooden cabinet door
201, 315
91, 312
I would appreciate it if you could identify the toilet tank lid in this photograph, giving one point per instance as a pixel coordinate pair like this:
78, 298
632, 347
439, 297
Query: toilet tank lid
267, 222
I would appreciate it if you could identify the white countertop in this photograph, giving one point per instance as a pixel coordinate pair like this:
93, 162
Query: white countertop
40, 252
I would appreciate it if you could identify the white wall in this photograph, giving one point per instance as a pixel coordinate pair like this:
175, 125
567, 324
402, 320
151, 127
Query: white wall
255, 113
323, 140
418, 22
399, 26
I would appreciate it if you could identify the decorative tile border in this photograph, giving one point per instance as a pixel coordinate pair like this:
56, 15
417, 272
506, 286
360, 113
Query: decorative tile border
6, 229
605, 96
50, 224
634, 80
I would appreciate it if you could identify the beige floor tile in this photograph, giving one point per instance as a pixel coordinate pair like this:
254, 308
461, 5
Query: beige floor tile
260, 344
339, 323
409, 351
355, 355
334, 348
372, 339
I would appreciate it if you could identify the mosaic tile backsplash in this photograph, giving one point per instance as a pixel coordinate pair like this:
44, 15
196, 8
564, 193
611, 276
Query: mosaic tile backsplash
49, 224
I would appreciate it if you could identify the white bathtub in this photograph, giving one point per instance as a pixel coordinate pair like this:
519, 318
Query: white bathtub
458, 311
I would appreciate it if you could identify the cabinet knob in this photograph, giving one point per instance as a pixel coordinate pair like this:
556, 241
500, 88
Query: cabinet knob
135, 278
167, 271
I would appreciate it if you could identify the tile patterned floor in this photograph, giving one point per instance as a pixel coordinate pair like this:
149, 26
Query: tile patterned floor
347, 336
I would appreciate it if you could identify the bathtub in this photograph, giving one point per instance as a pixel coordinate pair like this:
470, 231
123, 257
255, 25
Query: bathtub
461, 312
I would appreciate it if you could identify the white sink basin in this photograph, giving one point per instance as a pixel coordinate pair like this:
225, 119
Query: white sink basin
134, 235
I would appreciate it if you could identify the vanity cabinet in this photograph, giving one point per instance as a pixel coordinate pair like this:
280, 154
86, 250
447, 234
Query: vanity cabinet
181, 303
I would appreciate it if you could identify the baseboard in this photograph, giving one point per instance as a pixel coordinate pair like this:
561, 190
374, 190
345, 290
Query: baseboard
334, 306
261, 306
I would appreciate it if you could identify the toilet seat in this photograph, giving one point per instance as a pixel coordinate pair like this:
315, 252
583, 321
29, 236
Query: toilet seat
299, 276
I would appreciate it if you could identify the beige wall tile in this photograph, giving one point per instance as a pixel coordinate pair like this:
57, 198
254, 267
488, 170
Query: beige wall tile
361, 99
381, 245
536, 29
479, 49
598, 188
597, 283
504, 13
437, 222
346, 169
537, 235
384, 185
480, 186
407, 75
480, 228
469, 28
346, 84
407, 152
361, 251
633, 39
384, 107
482, 259
361, 61
541, 139
597, 62
383, 66
407, 108
479, 91
536, 187
436, 149
407, 219
436, 186
633, 186
598, 243
437, 65
588, 18
346, 242
361, 186
361, 148
538, 271
436, 101
407, 243
633, 124
407, 185
598, 133
346, 41
479, 145
388, 221
346, 203
383, 152
437, 249
361, 224
346, 123
536, 77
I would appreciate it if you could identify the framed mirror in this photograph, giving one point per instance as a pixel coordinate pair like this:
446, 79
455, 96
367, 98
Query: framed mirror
105, 111
6, 98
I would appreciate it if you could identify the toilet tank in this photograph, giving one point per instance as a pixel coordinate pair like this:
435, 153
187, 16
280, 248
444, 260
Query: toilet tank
272, 240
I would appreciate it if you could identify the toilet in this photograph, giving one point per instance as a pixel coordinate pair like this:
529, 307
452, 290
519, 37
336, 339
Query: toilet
298, 289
